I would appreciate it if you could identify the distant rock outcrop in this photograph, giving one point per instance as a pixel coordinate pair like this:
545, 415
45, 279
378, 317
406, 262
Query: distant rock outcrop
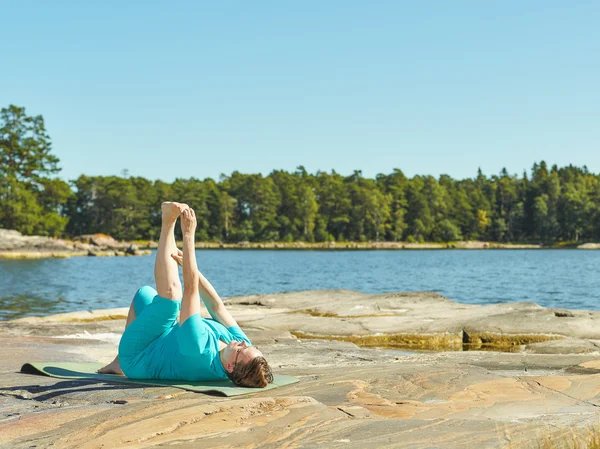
100, 240
11, 240
14, 245
589, 246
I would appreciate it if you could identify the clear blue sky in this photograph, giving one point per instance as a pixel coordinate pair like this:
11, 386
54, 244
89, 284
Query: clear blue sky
181, 89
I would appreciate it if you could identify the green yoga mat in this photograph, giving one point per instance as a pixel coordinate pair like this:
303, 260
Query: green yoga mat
85, 371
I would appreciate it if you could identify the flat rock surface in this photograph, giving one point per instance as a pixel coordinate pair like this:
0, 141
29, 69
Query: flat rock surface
344, 312
349, 396
11, 240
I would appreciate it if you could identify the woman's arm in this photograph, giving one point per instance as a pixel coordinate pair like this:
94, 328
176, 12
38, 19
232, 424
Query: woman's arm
190, 304
214, 303
207, 292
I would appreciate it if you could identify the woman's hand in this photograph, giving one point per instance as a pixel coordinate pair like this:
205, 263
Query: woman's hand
178, 257
188, 221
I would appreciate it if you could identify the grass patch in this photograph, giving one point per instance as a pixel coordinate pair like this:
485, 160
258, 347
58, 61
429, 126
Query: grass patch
505, 340
41, 254
316, 313
437, 342
568, 438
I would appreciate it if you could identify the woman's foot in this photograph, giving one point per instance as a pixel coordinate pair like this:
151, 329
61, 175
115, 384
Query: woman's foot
113, 367
171, 210
188, 223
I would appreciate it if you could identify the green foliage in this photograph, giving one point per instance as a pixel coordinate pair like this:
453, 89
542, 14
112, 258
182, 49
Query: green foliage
19, 208
560, 204
446, 231
25, 146
550, 204
30, 201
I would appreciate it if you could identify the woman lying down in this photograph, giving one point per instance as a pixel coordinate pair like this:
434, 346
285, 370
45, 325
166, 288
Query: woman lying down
157, 346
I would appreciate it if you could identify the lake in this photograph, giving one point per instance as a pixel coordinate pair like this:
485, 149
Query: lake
552, 278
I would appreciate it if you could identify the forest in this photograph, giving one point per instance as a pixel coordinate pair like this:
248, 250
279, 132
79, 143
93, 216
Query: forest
547, 204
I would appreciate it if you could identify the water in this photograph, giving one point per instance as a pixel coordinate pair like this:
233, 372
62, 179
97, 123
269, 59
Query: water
552, 278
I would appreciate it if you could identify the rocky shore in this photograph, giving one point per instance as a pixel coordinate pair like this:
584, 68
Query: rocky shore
363, 245
14, 245
496, 376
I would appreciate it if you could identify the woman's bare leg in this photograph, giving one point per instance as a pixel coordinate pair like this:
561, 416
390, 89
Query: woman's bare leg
114, 367
166, 273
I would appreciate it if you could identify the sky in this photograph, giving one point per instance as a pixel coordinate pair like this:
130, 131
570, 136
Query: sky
184, 89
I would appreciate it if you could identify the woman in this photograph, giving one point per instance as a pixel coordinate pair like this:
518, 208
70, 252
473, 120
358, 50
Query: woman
156, 346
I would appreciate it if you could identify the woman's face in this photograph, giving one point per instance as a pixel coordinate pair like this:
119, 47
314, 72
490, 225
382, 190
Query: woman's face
239, 352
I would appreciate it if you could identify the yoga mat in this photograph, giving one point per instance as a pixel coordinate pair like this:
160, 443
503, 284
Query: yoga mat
87, 371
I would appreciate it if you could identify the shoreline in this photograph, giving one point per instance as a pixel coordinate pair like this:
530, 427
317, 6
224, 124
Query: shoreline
472, 245
29, 255
398, 320
146, 247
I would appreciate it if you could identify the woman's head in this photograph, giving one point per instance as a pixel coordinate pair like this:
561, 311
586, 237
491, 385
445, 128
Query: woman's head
246, 366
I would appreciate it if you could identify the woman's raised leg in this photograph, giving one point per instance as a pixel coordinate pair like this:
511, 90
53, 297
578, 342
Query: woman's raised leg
166, 273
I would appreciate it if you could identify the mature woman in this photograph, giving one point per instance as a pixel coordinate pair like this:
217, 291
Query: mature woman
156, 346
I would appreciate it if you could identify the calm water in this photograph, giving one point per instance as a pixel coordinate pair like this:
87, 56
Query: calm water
553, 278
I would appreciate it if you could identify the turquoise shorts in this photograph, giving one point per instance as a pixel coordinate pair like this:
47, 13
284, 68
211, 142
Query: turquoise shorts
155, 317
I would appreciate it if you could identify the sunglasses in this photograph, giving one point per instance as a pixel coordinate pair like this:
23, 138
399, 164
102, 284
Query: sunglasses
237, 354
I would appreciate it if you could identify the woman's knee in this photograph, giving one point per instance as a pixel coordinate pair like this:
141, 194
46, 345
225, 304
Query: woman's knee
142, 298
173, 291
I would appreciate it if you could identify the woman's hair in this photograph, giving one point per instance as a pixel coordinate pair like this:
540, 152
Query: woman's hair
255, 374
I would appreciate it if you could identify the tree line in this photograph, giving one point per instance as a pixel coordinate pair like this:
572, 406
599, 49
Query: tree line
549, 204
